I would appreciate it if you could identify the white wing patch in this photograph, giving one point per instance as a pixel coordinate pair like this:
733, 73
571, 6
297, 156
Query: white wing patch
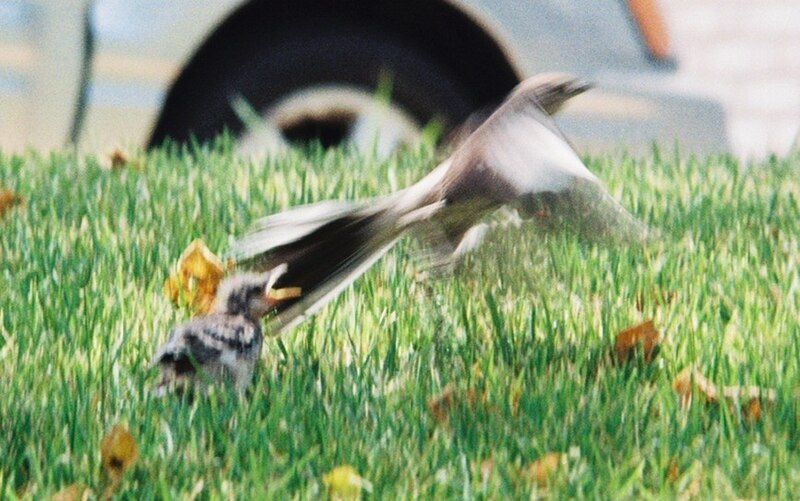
533, 157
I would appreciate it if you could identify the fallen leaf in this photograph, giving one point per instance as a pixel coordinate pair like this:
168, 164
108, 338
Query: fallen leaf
344, 482
688, 380
197, 261
751, 411
673, 473
74, 492
196, 277
542, 470
8, 200
440, 405
644, 335
475, 398
748, 399
748, 393
118, 451
118, 159
515, 396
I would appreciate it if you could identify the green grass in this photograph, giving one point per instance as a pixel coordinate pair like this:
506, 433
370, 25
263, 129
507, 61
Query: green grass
82, 267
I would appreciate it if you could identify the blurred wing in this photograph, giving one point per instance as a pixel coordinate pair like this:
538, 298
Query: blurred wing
550, 91
524, 145
520, 157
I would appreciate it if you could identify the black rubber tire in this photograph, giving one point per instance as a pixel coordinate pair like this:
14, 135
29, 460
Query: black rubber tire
317, 53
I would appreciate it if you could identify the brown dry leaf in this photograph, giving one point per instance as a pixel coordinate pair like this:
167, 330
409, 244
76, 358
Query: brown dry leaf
689, 380
117, 159
9, 200
516, 396
747, 399
673, 472
475, 398
74, 492
644, 334
440, 405
748, 393
196, 278
542, 470
751, 411
118, 451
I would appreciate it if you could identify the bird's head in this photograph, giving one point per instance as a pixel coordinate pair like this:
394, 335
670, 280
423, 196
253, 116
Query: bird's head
551, 90
248, 293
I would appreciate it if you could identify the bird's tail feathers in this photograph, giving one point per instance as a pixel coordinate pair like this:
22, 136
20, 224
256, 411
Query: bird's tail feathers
326, 246
285, 227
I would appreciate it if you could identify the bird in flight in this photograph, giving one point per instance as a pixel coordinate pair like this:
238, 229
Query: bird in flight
517, 158
224, 345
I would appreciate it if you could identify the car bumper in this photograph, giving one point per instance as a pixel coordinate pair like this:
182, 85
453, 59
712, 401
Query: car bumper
636, 111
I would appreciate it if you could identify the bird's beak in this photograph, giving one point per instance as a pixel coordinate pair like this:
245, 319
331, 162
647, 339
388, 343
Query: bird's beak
276, 296
581, 86
576, 87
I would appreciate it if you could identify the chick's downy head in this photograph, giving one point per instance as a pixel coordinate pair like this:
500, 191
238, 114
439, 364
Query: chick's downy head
247, 293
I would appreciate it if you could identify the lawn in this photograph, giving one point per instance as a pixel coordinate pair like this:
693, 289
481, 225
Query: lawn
522, 338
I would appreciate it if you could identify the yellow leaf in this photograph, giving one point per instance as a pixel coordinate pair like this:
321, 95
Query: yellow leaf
118, 451
74, 492
197, 261
542, 470
8, 200
644, 335
344, 482
172, 288
196, 278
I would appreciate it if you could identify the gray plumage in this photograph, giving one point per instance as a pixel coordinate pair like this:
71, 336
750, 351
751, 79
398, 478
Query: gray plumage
223, 345
516, 158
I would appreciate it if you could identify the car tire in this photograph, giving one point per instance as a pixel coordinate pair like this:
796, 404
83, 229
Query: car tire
318, 53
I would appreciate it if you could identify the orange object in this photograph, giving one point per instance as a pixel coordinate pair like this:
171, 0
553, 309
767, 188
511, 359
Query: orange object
644, 335
651, 26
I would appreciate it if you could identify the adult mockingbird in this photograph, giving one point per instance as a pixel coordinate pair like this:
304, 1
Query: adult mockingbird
517, 157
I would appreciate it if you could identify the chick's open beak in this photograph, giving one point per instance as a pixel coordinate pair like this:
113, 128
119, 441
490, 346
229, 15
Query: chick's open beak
277, 296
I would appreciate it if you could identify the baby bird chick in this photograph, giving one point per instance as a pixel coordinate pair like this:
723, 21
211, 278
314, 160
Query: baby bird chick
224, 345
